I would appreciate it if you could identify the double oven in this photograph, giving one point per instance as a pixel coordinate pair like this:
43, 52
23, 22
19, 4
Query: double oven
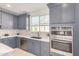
61, 37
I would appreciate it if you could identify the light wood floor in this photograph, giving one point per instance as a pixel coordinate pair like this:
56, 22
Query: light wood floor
18, 52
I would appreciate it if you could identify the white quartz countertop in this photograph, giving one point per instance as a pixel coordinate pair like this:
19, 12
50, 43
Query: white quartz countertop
4, 49
45, 39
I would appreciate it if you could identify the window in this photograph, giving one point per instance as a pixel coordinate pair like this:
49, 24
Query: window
40, 24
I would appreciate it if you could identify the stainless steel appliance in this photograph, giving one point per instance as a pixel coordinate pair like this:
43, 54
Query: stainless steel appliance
61, 37
23, 43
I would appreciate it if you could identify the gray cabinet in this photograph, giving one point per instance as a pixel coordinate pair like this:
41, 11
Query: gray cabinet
37, 47
34, 46
7, 21
55, 14
22, 21
76, 32
5, 41
1, 40
61, 13
11, 41
15, 21
30, 45
17, 42
0, 18
44, 48
68, 12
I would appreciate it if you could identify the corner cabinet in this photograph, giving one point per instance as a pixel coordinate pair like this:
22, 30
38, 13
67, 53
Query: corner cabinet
21, 21
61, 13
11, 41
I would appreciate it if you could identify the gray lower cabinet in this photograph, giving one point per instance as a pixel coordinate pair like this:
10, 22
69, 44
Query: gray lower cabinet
30, 45
5, 41
34, 46
17, 42
11, 41
1, 40
37, 47
44, 48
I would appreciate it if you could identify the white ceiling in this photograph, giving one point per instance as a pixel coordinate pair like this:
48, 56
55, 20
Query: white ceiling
20, 8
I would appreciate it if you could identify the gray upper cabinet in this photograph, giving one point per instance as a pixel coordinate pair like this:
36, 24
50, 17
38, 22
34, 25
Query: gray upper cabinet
10, 21
15, 20
22, 21
68, 12
7, 21
55, 14
61, 13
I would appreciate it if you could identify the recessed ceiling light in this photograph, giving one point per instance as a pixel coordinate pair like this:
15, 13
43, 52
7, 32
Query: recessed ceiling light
64, 5
8, 5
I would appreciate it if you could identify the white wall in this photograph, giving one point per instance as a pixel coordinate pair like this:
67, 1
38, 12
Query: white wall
40, 12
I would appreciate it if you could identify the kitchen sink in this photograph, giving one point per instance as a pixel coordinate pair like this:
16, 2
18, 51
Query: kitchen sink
36, 37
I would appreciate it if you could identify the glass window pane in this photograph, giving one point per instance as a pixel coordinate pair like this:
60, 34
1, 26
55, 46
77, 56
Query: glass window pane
42, 20
35, 20
42, 29
35, 29
46, 20
46, 28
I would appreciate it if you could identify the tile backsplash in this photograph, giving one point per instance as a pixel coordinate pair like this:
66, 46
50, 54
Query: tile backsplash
10, 32
21, 32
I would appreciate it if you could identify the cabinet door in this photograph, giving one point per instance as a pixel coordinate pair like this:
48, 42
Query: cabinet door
55, 14
5, 41
68, 11
15, 20
12, 42
1, 40
30, 45
0, 18
44, 48
37, 47
17, 42
7, 21
22, 21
